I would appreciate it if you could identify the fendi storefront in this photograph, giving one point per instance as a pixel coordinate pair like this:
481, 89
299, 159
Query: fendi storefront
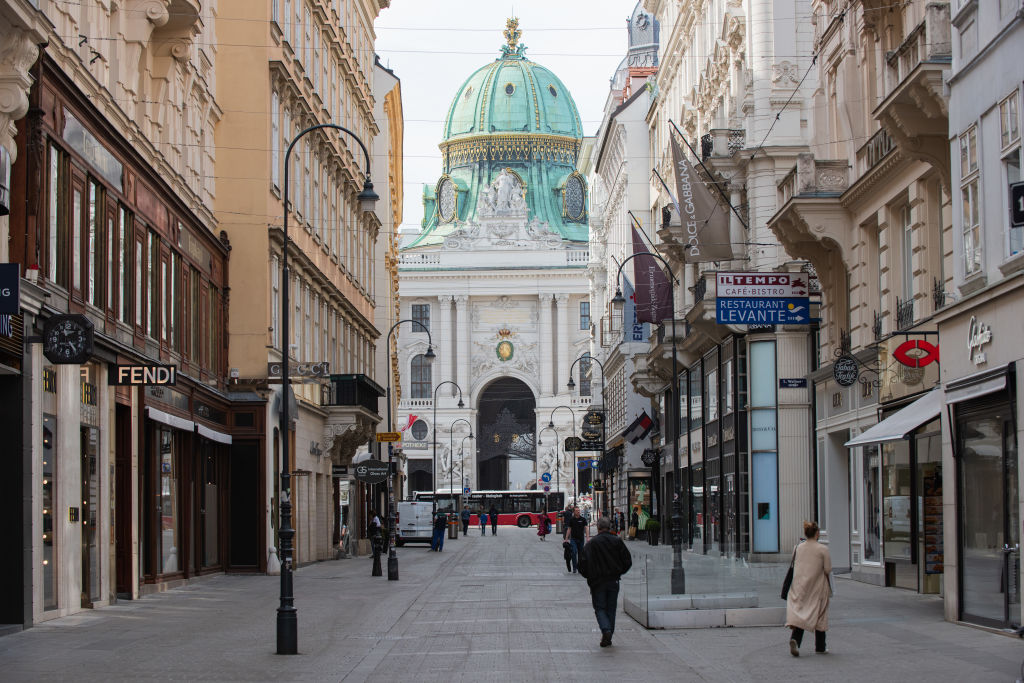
982, 355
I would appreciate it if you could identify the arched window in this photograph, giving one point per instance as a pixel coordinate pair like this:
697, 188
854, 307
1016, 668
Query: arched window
420, 383
585, 375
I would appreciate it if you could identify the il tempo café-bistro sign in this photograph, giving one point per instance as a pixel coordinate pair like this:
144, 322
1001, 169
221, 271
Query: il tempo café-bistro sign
142, 375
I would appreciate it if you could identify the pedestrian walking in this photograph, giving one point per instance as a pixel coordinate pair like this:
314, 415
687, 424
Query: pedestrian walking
808, 598
492, 515
483, 523
603, 561
634, 522
615, 521
543, 525
440, 524
465, 520
577, 532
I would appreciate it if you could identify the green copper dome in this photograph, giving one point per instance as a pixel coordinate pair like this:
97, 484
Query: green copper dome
512, 118
512, 95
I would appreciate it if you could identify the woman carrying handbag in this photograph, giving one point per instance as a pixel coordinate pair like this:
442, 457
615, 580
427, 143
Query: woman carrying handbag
808, 595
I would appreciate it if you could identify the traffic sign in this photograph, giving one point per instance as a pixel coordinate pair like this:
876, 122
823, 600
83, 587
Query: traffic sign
546, 489
466, 491
546, 477
760, 310
582, 464
761, 285
388, 437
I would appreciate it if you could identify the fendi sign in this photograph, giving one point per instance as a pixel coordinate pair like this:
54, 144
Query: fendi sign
142, 375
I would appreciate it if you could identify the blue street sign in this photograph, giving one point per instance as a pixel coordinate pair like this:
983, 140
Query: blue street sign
763, 311
546, 477
466, 491
546, 489
583, 464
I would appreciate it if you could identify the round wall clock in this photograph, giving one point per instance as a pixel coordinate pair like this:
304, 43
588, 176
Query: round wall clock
505, 350
446, 200
68, 339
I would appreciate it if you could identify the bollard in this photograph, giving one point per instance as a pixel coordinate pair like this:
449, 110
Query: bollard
560, 523
453, 526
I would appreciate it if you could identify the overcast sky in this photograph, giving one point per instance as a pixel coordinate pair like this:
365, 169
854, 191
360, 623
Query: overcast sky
434, 45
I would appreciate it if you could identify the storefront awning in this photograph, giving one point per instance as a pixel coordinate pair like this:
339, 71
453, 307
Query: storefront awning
980, 384
170, 420
213, 434
904, 421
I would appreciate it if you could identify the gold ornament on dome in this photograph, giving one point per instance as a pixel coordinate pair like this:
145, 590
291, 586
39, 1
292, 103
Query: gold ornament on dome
512, 32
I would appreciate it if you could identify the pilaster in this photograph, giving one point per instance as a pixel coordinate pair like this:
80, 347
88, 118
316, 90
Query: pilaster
444, 339
463, 330
544, 333
563, 335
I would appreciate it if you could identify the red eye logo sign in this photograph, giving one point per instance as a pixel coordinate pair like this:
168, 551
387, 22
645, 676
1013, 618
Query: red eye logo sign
929, 353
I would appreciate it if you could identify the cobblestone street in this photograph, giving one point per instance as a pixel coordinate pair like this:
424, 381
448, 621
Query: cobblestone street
486, 609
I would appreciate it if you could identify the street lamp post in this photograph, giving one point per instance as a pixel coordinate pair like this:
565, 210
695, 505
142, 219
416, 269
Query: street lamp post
451, 457
558, 462
429, 356
551, 424
287, 615
462, 458
678, 574
571, 385
433, 429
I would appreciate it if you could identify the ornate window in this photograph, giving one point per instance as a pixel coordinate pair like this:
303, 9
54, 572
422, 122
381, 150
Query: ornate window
421, 315
447, 200
574, 197
510, 88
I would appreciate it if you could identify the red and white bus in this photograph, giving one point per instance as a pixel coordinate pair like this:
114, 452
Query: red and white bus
519, 508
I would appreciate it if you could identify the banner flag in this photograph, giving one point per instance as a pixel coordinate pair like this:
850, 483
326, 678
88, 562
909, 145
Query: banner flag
706, 224
412, 418
653, 294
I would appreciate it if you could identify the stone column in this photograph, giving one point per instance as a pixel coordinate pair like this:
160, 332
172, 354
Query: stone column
544, 339
443, 338
563, 336
17, 56
463, 331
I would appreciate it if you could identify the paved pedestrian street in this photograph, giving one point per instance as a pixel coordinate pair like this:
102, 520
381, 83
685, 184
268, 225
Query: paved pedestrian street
486, 609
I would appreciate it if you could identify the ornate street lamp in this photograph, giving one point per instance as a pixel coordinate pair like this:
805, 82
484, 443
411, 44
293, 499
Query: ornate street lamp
433, 429
429, 357
287, 615
618, 301
571, 385
451, 459
551, 425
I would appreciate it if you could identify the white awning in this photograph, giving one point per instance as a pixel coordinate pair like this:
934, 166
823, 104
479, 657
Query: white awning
360, 457
903, 421
170, 420
213, 434
976, 389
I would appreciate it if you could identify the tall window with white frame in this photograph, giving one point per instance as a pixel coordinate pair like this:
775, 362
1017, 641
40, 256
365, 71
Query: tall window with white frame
420, 379
421, 315
584, 315
1009, 140
970, 201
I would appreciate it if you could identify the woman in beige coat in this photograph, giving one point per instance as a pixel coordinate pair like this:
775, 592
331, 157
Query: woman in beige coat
807, 602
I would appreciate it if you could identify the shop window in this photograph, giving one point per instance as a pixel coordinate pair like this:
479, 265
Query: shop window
872, 505
712, 395
896, 499
696, 398
168, 503
49, 500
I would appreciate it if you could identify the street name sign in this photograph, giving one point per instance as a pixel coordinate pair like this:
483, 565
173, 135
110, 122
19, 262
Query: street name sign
388, 437
760, 310
761, 285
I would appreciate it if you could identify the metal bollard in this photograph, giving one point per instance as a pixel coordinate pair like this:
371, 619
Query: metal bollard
377, 543
453, 527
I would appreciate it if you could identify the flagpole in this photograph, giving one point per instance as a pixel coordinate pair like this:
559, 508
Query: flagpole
710, 175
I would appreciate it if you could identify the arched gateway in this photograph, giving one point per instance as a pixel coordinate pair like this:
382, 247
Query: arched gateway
506, 428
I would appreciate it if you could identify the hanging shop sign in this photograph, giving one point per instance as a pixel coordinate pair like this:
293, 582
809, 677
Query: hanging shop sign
594, 418
792, 383
10, 280
300, 370
142, 375
371, 471
1017, 204
770, 285
761, 310
845, 371
978, 334
573, 443
916, 353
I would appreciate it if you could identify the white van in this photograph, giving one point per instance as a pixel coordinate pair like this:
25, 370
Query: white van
415, 522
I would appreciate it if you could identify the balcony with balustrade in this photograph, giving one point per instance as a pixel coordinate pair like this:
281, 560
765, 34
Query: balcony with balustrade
914, 109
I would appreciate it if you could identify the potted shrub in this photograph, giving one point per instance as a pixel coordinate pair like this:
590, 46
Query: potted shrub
653, 531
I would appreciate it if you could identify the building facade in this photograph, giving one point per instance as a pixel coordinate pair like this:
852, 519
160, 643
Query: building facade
980, 326
318, 67
498, 277
733, 87
869, 206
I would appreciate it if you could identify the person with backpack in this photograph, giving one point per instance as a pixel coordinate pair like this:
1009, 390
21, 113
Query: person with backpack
604, 559
440, 524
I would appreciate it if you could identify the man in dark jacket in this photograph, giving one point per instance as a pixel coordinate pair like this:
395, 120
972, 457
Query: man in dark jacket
604, 559
465, 520
440, 524
492, 515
